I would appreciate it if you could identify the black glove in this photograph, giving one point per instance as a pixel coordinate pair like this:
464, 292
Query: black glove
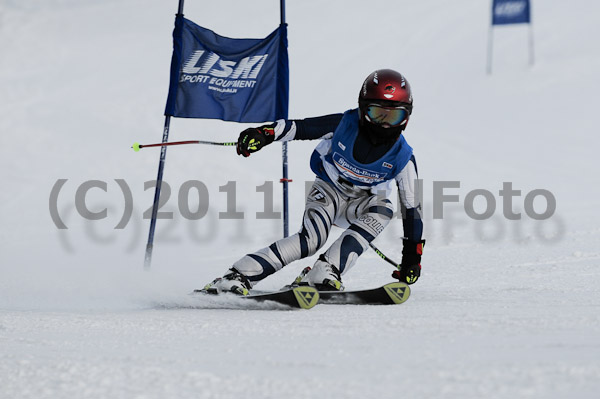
255, 138
408, 274
410, 268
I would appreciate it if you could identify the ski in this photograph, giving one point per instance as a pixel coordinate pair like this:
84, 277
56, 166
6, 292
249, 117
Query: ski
388, 294
298, 297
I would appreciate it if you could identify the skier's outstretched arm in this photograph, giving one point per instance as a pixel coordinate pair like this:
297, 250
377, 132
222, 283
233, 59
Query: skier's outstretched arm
412, 244
255, 138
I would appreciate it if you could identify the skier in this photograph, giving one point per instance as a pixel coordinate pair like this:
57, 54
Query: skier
361, 154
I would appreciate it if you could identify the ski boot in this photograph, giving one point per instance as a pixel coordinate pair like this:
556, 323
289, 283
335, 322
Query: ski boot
323, 276
233, 281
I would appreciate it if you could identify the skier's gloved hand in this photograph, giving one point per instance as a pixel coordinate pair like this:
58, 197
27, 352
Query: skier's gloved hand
255, 138
410, 268
408, 274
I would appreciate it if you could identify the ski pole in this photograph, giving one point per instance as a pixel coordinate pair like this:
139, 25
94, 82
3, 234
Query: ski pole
137, 146
385, 258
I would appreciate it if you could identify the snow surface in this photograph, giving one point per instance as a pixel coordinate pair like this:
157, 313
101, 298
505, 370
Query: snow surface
504, 308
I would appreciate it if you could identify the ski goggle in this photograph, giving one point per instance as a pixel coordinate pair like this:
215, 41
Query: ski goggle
390, 116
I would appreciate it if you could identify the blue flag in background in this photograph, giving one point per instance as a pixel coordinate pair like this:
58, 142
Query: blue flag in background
510, 12
239, 80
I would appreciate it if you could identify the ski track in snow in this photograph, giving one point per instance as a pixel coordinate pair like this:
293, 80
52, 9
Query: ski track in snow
503, 309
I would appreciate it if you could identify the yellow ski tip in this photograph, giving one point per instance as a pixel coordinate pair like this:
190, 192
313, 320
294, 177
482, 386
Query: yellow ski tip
307, 297
398, 292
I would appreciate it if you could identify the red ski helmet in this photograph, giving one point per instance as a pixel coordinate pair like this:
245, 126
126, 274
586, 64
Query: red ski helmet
388, 89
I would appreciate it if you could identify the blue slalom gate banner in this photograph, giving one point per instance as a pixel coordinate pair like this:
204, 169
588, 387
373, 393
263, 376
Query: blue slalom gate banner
505, 12
238, 80
215, 77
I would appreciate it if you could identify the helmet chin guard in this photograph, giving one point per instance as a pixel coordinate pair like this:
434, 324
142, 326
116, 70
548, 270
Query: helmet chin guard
378, 134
